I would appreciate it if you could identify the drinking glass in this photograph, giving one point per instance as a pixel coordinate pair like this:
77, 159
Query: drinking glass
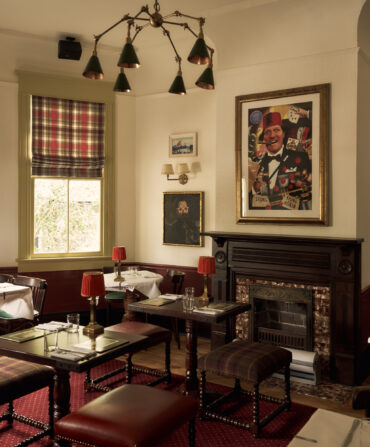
188, 302
49, 346
74, 321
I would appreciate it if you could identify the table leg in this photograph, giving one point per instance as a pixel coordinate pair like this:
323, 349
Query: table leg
62, 394
191, 360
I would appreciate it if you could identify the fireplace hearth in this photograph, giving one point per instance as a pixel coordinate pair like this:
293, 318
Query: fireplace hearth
328, 268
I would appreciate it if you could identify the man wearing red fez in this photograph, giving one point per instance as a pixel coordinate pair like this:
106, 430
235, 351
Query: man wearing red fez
284, 176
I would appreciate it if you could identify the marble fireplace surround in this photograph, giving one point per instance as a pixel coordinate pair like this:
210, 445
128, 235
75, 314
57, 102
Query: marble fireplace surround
331, 266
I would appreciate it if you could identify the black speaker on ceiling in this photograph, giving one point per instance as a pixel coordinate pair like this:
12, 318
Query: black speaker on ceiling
69, 49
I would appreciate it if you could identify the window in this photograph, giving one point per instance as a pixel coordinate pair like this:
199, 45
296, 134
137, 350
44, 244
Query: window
66, 185
67, 216
67, 141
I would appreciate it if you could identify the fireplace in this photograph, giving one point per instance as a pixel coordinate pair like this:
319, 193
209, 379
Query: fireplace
327, 269
281, 316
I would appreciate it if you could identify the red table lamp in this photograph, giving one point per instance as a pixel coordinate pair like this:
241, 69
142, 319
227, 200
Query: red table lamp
119, 254
92, 287
206, 266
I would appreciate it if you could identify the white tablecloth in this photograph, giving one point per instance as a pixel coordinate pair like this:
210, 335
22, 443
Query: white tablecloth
16, 300
330, 429
144, 281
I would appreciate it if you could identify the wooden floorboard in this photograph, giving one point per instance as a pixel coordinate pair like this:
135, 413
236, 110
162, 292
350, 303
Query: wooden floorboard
154, 357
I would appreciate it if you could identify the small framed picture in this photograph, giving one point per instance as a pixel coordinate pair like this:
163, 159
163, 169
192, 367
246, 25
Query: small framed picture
183, 145
183, 218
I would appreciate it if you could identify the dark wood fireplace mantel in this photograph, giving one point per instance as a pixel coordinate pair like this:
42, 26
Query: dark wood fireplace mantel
333, 262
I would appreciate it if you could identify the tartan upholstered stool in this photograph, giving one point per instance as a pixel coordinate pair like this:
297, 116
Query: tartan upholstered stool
18, 378
156, 335
252, 362
129, 416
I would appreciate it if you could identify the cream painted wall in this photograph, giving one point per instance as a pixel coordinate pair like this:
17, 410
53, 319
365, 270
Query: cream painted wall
125, 160
157, 117
8, 173
363, 146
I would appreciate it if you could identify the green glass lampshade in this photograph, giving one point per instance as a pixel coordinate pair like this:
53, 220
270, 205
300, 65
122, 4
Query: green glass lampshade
122, 84
206, 80
128, 58
199, 53
178, 86
93, 68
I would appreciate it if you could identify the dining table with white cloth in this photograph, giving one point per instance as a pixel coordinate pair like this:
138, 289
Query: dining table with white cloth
16, 300
143, 281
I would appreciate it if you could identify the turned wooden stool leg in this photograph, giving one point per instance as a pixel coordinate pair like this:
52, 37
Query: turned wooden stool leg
256, 411
287, 387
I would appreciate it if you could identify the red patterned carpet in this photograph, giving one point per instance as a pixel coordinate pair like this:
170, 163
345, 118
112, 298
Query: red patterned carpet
209, 434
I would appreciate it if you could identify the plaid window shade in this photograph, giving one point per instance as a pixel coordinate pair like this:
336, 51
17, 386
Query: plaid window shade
67, 138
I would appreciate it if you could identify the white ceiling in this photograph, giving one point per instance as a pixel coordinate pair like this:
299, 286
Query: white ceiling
55, 19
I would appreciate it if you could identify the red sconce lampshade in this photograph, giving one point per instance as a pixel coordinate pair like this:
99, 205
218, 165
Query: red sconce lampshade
119, 253
206, 265
92, 284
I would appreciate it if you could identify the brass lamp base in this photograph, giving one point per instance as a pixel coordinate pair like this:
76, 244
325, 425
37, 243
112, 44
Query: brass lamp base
203, 300
93, 329
119, 278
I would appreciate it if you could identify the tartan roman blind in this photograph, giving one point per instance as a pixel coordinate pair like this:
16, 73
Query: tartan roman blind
67, 138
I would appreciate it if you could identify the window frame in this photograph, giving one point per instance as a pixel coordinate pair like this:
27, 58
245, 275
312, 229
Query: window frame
69, 88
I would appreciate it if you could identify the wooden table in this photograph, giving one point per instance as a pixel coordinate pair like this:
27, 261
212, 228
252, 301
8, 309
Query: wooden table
175, 310
33, 351
327, 428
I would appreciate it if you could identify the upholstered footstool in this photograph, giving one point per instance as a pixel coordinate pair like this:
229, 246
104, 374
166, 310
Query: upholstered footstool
19, 378
156, 335
129, 416
252, 362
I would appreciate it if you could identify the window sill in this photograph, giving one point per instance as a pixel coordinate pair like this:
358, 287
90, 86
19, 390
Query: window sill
57, 264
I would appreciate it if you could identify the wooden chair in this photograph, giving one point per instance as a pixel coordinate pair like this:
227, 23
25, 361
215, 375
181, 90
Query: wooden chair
39, 288
19, 378
177, 279
4, 277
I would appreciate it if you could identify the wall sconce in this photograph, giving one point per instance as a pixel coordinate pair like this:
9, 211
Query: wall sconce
181, 169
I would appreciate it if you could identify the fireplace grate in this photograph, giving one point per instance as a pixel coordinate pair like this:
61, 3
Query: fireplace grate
277, 337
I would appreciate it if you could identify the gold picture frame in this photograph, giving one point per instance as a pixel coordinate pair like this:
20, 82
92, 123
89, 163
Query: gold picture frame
281, 154
183, 218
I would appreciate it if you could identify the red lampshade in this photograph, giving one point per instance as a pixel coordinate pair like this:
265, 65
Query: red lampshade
119, 253
92, 284
206, 265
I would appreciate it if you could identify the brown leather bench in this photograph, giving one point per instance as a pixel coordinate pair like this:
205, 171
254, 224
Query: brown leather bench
129, 416
252, 362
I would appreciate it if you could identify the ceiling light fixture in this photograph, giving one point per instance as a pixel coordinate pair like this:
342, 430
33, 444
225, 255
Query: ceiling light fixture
201, 53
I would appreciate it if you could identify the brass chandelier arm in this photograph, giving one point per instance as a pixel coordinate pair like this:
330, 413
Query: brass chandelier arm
167, 33
201, 20
97, 37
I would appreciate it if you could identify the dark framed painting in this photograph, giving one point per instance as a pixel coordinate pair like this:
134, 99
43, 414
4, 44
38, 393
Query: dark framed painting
183, 218
282, 156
